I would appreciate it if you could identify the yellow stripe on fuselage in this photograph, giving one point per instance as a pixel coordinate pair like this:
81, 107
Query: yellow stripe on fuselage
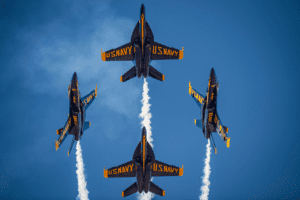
142, 21
208, 92
144, 152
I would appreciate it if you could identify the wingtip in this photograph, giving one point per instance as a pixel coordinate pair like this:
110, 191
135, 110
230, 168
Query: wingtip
163, 77
121, 78
105, 172
96, 91
123, 194
56, 145
181, 53
103, 56
228, 142
163, 193
181, 171
190, 88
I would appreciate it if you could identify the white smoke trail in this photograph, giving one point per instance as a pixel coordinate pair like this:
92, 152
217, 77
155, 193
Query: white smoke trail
146, 116
206, 182
83, 192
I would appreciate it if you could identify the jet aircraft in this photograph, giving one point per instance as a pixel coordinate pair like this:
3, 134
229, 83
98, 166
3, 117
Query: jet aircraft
210, 120
142, 166
75, 124
142, 49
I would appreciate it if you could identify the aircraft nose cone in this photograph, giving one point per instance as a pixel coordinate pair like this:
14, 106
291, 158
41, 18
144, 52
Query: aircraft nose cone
142, 9
74, 76
212, 71
144, 131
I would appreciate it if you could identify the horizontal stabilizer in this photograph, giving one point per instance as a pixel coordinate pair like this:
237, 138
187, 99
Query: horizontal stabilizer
130, 190
156, 74
198, 123
156, 190
128, 75
226, 129
71, 145
86, 125
213, 143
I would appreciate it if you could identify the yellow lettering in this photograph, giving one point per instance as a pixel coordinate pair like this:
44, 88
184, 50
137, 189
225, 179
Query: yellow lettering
129, 48
160, 169
115, 171
210, 117
212, 96
107, 55
165, 51
120, 170
84, 102
123, 169
171, 169
109, 172
124, 51
117, 52
176, 52
176, 170
159, 49
154, 167
166, 168
216, 119
126, 168
169, 51
131, 167
113, 54
154, 49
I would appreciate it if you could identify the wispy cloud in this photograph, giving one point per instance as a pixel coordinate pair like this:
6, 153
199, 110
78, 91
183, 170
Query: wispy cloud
56, 48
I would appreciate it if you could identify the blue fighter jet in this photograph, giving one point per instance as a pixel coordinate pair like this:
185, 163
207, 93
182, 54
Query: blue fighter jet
75, 124
210, 121
142, 49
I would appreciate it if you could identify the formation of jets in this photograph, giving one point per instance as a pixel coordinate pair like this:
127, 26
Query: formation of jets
143, 165
142, 49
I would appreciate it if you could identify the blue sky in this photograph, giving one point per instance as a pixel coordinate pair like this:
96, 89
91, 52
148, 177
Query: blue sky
254, 47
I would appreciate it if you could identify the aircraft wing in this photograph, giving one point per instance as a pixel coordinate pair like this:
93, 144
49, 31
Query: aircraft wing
162, 52
63, 132
197, 96
88, 99
163, 169
222, 130
124, 170
125, 52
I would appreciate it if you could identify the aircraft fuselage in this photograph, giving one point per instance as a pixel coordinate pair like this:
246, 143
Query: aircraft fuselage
143, 157
209, 113
77, 110
142, 47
